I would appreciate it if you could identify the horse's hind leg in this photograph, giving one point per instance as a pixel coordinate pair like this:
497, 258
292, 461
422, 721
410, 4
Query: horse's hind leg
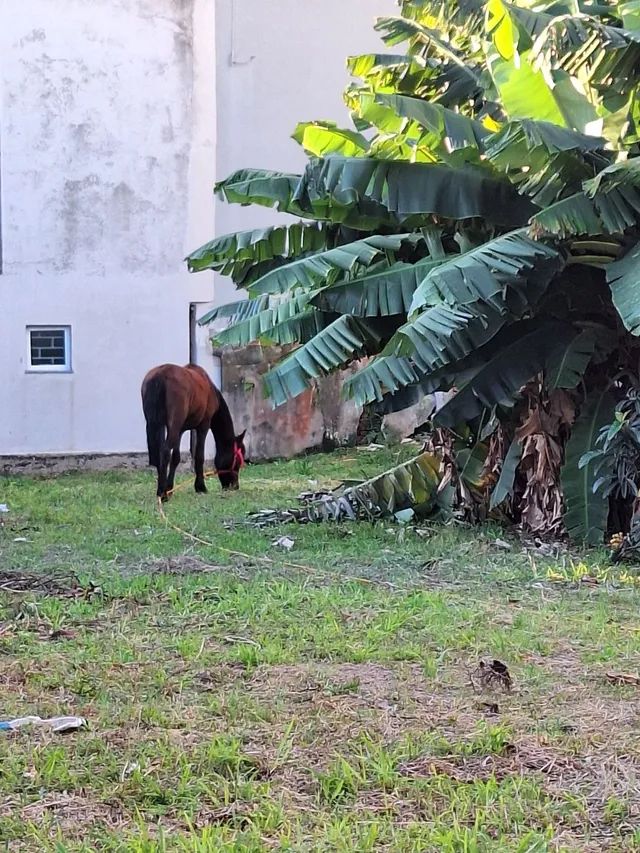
171, 458
163, 464
175, 461
201, 438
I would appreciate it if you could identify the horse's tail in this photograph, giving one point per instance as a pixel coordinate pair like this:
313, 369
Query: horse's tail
154, 404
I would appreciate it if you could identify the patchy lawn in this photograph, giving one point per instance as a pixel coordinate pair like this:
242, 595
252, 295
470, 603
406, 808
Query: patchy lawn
240, 705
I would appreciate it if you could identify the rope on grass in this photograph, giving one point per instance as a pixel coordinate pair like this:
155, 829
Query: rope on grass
266, 560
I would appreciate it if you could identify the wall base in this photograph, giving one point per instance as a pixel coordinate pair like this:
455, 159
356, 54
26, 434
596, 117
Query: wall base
62, 463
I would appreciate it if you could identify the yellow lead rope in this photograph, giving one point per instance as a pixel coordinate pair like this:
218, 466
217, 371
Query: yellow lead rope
267, 560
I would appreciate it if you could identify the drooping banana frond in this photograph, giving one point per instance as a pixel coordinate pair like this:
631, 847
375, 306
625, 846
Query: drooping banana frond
586, 511
387, 71
434, 80
407, 189
624, 280
279, 190
329, 266
558, 178
259, 186
441, 131
520, 142
322, 138
442, 335
378, 294
267, 319
469, 298
422, 41
236, 312
499, 381
618, 176
609, 204
545, 161
364, 388
574, 216
230, 253
582, 46
287, 321
513, 260
287, 292
430, 352
383, 375
461, 20
438, 338
333, 347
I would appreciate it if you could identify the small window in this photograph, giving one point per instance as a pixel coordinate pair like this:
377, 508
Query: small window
49, 348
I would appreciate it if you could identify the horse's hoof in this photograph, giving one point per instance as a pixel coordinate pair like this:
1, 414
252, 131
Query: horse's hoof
164, 498
201, 489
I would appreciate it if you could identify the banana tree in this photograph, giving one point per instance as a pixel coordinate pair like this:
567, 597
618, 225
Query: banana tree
476, 229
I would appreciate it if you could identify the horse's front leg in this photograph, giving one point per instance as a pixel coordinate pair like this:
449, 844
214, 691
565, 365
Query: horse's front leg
201, 438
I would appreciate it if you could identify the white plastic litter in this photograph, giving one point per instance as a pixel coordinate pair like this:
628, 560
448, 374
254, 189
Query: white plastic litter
59, 725
285, 542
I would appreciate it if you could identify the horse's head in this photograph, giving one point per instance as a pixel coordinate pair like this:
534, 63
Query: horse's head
229, 467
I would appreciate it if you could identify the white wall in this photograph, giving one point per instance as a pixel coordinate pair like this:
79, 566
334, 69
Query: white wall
108, 152
116, 117
280, 62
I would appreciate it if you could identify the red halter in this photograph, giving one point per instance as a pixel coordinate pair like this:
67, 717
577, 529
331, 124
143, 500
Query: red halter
238, 457
237, 461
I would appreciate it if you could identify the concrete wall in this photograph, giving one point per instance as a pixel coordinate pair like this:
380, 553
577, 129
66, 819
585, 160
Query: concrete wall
108, 153
116, 117
317, 418
280, 62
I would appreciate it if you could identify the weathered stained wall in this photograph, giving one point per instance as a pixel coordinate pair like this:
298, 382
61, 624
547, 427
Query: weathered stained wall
116, 117
320, 417
96, 135
108, 135
308, 421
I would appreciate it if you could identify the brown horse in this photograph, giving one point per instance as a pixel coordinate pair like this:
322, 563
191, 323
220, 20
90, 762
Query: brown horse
176, 399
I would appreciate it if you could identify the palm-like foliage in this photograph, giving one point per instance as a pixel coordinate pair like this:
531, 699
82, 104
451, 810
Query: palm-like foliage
477, 228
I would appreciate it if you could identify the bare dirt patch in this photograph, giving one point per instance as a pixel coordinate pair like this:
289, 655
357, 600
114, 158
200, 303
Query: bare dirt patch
60, 585
333, 704
70, 813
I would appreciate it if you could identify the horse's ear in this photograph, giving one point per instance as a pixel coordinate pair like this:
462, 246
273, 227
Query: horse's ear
240, 438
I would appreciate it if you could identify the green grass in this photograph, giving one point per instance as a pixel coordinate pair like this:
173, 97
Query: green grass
320, 701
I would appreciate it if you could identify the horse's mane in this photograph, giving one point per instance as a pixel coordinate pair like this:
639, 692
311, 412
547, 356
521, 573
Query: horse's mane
222, 422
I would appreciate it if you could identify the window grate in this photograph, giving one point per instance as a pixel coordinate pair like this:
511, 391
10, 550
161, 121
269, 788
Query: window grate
49, 348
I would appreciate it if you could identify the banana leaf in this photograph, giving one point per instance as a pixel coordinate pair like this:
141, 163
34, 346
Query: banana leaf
586, 511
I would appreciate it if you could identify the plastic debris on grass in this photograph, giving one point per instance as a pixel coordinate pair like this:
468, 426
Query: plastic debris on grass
57, 725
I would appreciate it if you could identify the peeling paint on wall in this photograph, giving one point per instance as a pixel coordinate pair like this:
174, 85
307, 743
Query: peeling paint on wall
95, 95
98, 139
117, 117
